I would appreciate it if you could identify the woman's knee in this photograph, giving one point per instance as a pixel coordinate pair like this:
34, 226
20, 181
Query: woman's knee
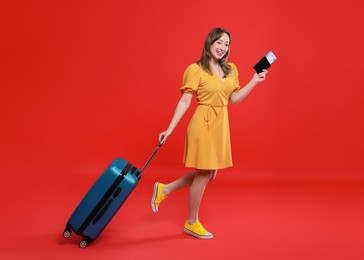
213, 175
209, 175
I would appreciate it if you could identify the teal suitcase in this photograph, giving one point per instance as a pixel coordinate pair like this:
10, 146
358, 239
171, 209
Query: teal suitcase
104, 199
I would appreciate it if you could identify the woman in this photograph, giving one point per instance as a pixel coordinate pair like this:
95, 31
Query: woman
207, 147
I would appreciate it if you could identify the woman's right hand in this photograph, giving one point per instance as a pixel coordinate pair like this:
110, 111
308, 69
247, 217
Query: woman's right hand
163, 136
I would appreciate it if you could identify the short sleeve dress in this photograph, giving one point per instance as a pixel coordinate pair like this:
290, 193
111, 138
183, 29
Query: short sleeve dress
207, 144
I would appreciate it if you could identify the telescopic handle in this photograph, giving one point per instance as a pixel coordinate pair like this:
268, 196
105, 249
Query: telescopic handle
151, 157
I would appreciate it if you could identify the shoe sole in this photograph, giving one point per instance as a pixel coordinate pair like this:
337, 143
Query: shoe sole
155, 191
197, 235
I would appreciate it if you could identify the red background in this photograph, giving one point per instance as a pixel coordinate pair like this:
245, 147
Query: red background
83, 82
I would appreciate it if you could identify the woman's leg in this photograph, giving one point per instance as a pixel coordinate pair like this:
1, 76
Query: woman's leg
161, 191
184, 181
200, 180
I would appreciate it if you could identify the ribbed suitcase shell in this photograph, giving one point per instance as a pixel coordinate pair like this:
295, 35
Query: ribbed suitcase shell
103, 200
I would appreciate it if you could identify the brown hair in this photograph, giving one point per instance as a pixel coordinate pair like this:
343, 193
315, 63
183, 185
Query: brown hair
205, 58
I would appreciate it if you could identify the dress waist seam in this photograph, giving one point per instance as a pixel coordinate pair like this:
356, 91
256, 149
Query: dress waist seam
210, 105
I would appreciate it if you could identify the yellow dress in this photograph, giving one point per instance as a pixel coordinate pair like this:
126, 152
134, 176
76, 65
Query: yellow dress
207, 143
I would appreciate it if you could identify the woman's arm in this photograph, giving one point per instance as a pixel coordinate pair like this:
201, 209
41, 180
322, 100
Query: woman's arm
182, 106
239, 95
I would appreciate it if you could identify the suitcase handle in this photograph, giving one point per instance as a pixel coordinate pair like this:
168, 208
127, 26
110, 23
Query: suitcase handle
151, 157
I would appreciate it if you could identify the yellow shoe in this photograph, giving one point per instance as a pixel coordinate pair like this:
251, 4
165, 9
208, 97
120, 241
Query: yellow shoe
197, 230
157, 196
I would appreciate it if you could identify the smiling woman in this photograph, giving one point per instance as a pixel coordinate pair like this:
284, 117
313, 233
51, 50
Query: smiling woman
214, 80
85, 81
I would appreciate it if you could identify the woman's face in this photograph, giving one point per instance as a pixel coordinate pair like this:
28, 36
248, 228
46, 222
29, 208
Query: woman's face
220, 47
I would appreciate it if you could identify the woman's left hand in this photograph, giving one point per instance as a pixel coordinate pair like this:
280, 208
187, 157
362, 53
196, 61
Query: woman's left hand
260, 77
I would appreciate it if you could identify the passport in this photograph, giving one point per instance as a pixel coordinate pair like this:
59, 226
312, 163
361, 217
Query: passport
265, 62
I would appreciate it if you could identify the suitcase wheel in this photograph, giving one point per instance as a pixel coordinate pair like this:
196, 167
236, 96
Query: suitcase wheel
84, 243
67, 233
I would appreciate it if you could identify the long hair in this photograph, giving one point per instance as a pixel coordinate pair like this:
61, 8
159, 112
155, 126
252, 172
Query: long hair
205, 58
